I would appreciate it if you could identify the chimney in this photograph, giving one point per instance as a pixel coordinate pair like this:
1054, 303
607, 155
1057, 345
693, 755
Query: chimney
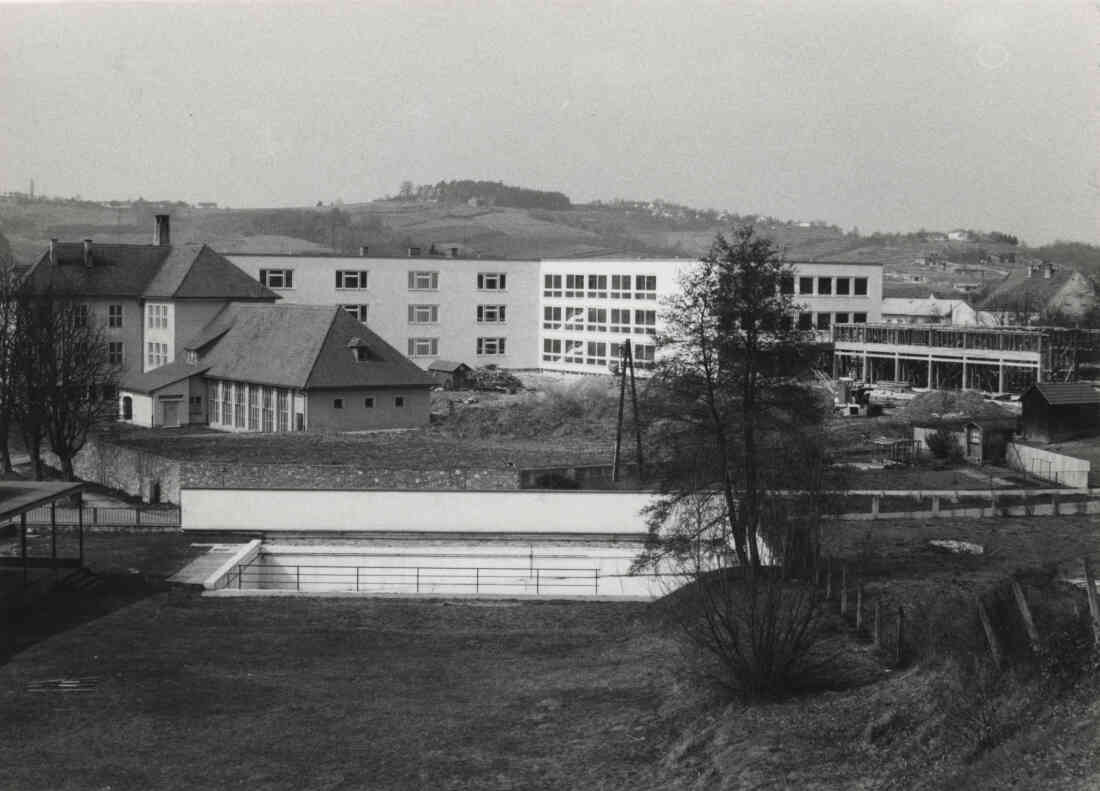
414, 252
454, 252
53, 251
88, 253
162, 235
363, 251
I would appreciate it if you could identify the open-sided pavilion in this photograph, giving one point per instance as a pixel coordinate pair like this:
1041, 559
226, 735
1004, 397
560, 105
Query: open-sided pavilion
19, 498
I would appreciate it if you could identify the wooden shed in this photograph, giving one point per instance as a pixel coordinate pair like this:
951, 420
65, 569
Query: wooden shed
1057, 411
449, 374
981, 440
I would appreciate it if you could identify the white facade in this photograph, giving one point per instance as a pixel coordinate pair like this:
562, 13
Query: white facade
569, 315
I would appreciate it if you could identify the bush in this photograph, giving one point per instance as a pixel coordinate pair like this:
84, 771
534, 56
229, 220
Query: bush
944, 445
492, 378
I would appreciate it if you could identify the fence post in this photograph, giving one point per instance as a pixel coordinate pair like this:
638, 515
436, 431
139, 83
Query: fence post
1094, 607
900, 632
859, 607
536, 581
1054, 503
874, 505
829, 579
418, 579
844, 590
298, 578
137, 517
95, 515
877, 626
356, 579
990, 635
477, 580
1025, 613
935, 505
596, 582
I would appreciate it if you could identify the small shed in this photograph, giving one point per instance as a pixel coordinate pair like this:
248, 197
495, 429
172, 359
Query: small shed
1058, 411
450, 375
981, 440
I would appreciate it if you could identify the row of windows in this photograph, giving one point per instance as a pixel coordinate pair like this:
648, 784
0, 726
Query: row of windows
429, 347
429, 314
595, 353
368, 402
600, 286
251, 407
156, 316
822, 321
615, 320
156, 354
825, 286
357, 279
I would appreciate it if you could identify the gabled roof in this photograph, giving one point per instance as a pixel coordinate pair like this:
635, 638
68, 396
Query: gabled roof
151, 381
929, 306
1018, 290
301, 347
1067, 392
446, 366
187, 271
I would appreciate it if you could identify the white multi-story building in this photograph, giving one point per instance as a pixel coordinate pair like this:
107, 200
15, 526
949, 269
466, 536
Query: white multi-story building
569, 315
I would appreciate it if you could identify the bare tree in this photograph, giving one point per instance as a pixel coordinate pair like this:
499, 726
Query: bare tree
8, 360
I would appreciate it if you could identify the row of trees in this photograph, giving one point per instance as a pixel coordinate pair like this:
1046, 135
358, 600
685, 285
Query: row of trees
57, 380
491, 193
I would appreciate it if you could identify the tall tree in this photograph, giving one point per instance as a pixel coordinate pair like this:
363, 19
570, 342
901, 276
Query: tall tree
8, 360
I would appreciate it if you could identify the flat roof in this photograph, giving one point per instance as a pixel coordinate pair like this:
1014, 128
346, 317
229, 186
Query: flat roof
18, 497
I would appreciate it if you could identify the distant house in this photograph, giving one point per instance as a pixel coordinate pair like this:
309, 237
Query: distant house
149, 298
930, 310
1057, 411
959, 236
270, 368
450, 375
1023, 296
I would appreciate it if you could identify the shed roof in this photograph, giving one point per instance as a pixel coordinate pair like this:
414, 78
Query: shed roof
447, 366
151, 381
1059, 393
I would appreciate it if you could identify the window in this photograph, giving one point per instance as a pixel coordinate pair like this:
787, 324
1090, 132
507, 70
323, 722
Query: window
114, 352
216, 402
823, 321
156, 354
399, 401
551, 318
238, 405
278, 278
268, 414
551, 350
114, 316
490, 347
423, 347
597, 353
282, 409
620, 320
859, 318
337, 403
358, 311
786, 284
253, 408
227, 404
157, 317
362, 354
423, 281
423, 314
644, 356
825, 285
490, 281
351, 278
574, 318
620, 286
597, 286
551, 285
490, 314
597, 320
192, 357
860, 287
805, 321
645, 287
805, 285
645, 321
574, 352
80, 318
843, 286
574, 285
368, 402
841, 318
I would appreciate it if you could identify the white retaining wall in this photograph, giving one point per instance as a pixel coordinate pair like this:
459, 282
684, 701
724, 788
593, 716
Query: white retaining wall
1048, 465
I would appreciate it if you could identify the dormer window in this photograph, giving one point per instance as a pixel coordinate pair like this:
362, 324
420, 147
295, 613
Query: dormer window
192, 357
360, 349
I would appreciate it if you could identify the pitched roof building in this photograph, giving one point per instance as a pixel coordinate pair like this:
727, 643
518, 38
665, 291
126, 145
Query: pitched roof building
1056, 411
1026, 294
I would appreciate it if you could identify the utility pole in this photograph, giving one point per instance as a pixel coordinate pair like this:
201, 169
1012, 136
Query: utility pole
626, 357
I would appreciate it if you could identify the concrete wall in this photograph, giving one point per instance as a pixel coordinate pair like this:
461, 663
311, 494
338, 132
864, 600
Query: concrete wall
417, 511
341, 476
1048, 465
355, 416
388, 298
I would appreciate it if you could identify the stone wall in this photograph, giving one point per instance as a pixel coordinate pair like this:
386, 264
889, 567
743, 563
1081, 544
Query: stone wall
138, 473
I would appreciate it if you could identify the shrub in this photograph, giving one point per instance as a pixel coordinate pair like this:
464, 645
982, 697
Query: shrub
944, 445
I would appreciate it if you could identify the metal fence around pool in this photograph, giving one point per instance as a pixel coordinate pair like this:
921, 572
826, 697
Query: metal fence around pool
107, 516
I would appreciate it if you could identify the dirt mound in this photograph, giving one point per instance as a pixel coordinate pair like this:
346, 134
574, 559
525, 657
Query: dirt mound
952, 405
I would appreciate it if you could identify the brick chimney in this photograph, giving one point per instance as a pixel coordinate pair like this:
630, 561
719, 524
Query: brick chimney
162, 233
88, 253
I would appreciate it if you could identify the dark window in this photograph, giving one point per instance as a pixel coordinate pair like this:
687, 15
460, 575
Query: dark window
805, 321
842, 318
399, 401
823, 321
861, 287
843, 286
368, 403
337, 403
805, 285
786, 284
824, 285
859, 318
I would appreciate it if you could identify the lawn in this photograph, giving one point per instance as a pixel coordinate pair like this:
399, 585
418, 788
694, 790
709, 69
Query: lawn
340, 693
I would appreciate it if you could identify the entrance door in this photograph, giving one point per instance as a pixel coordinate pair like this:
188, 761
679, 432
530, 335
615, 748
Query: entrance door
171, 414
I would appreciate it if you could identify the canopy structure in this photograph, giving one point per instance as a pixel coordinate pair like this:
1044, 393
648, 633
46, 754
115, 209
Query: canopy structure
17, 499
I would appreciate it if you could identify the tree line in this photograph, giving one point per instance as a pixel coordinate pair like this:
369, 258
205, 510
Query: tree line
490, 193
57, 378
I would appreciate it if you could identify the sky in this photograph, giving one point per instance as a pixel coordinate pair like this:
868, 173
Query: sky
887, 116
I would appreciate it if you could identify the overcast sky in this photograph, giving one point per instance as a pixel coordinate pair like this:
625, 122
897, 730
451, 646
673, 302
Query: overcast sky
885, 116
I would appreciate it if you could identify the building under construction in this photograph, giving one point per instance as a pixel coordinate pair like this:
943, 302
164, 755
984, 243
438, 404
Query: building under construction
993, 359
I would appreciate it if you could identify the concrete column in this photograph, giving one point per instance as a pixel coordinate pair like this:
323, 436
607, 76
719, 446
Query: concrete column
935, 505
1001, 377
964, 374
930, 380
866, 374
897, 367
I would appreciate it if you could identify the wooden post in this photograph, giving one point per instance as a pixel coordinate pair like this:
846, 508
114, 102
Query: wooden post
1025, 613
874, 506
990, 635
844, 590
1094, 608
859, 607
900, 633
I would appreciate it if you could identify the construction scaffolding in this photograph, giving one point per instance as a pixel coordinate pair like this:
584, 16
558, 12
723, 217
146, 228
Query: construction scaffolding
994, 359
